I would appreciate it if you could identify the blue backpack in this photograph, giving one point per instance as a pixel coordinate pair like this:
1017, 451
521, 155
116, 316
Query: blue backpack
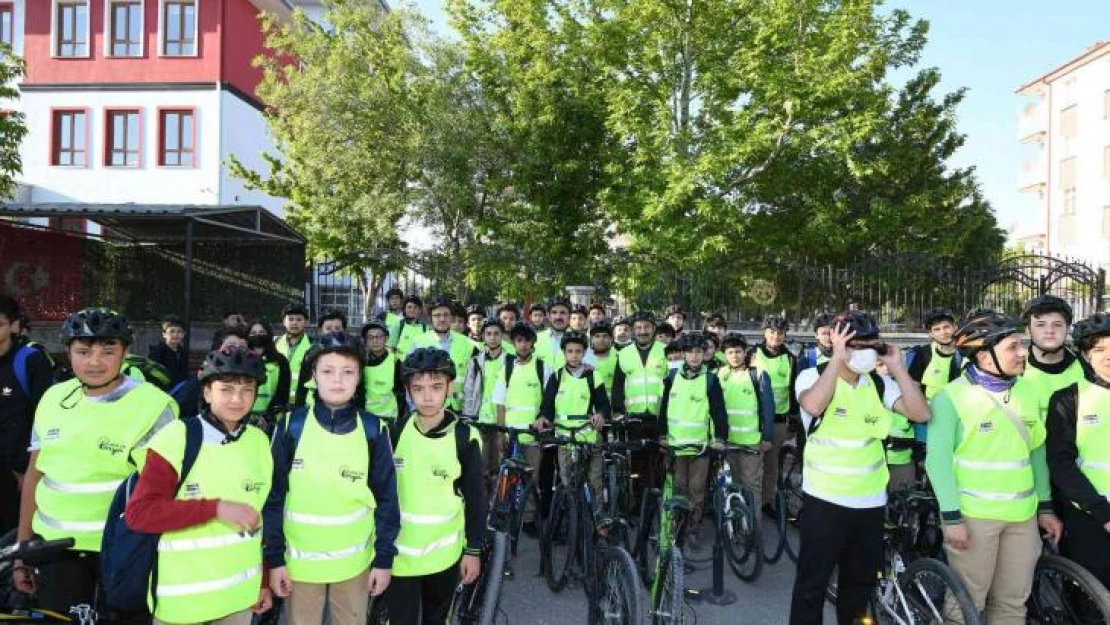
129, 559
19, 364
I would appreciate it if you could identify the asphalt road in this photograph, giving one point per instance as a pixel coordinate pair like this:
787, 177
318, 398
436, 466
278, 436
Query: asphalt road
526, 599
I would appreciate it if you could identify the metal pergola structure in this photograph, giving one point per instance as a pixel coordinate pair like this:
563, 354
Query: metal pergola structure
164, 224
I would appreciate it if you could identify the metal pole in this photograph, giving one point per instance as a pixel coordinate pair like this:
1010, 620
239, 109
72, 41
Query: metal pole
189, 225
716, 594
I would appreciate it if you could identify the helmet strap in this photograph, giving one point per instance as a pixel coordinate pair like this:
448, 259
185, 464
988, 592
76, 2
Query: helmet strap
998, 366
229, 437
97, 387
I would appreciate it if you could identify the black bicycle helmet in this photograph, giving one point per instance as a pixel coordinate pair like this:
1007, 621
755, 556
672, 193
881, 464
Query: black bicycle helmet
775, 322
1047, 304
580, 310
97, 324
734, 339
441, 301
666, 330
936, 315
294, 308
692, 340
1089, 330
428, 360
475, 309
523, 330
823, 320
601, 327
559, 300
394, 291
236, 361
641, 315
711, 338
983, 329
621, 320
492, 322
372, 325
573, 336
860, 322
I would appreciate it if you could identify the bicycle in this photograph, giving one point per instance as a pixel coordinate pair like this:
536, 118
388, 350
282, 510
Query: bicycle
736, 517
1065, 592
923, 592
615, 500
605, 568
512, 485
788, 507
39, 552
659, 542
915, 510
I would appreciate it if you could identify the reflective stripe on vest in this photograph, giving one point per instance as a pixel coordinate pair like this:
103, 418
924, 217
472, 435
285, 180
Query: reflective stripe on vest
688, 413
432, 520
936, 374
208, 571
994, 476
573, 399
328, 505
643, 382
742, 405
779, 370
378, 380
86, 451
491, 372
267, 389
844, 456
295, 356
1092, 435
523, 396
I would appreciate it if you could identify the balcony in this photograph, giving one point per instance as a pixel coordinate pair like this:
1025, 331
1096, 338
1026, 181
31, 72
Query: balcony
1032, 123
1033, 174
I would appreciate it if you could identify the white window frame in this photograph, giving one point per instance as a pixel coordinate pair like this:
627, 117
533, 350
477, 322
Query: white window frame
54, 51
108, 26
162, 32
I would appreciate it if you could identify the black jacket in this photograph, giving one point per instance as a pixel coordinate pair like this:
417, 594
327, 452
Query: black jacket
1070, 484
17, 409
176, 361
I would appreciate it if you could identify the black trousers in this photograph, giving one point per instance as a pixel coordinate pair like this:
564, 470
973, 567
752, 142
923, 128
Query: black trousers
1086, 542
848, 539
9, 501
646, 463
423, 600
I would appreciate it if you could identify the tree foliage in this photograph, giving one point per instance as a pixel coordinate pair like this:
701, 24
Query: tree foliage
12, 123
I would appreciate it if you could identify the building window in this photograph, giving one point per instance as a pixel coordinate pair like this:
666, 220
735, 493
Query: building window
179, 27
71, 28
1069, 122
1106, 162
177, 139
122, 140
69, 140
1106, 104
7, 25
125, 23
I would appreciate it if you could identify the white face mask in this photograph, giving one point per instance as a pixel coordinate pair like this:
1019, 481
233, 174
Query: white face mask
863, 360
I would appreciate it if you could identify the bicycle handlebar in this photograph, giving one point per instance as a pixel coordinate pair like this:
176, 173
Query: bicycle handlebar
35, 551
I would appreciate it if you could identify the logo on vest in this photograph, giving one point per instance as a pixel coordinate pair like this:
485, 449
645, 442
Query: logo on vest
53, 434
192, 490
104, 444
298, 463
871, 419
351, 475
440, 472
986, 427
1091, 419
398, 463
841, 412
251, 486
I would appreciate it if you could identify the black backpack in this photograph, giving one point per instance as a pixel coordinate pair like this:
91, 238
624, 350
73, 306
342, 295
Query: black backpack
129, 559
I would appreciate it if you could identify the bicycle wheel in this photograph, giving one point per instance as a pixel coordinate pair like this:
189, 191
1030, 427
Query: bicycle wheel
559, 540
774, 532
935, 595
647, 535
667, 601
790, 474
528, 491
614, 506
376, 613
1065, 592
618, 590
739, 528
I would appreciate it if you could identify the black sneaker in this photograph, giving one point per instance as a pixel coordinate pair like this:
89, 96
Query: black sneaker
530, 529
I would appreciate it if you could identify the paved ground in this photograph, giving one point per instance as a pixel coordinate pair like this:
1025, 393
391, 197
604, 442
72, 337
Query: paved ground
528, 601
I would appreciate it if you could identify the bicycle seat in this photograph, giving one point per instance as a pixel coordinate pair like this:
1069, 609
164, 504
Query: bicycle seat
677, 503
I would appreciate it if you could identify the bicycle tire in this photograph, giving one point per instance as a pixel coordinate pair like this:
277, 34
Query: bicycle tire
668, 605
740, 535
618, 589
560, 530
791, 479
647, 531
517, 519
1058, 579
615, 509
775, 540
495, 578
950, 602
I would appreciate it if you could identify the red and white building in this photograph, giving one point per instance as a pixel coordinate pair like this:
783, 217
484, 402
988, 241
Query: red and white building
140, 102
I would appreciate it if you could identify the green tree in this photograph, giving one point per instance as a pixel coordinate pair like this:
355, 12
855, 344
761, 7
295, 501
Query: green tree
345, 119
12, 123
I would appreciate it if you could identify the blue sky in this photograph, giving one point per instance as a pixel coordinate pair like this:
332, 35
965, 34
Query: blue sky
991, 47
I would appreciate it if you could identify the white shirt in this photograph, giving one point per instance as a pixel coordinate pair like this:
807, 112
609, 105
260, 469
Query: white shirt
891, 394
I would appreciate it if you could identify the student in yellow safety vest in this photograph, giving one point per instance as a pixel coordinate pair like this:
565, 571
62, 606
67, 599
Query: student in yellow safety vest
89, 434
394, 314
1078, 449
272, 397
597, 314
333, 323
772, 357
622, 333
482, 373
1051, 365
412, 326
209, 565
675, 316
537, 317
294, 343
332, 515
579, 317
442, 495
385, 392
601, 355
547, 341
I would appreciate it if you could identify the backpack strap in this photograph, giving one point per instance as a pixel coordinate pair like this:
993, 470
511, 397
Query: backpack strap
371, 425
510, 360
590, 385
294, 427
462, 439
539, 370
194, 438
19, 364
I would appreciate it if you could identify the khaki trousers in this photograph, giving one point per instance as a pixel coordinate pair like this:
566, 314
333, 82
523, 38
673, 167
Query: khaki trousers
238, 618
491, 453
689, 480
771, 463
747, 469
533, 454
346, 602
997, 567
